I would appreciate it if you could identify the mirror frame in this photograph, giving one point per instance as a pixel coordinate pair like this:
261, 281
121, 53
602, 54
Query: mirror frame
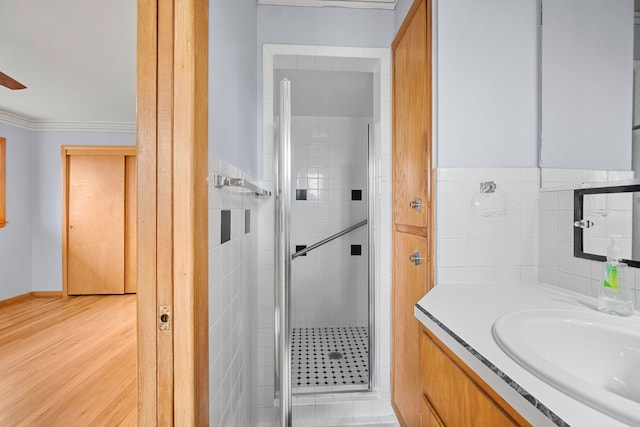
578, 210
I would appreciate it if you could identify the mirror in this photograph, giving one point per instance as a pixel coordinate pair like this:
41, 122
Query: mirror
602, 212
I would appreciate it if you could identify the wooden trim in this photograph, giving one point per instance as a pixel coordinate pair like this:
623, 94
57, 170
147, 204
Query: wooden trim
100, 150
28, 295
164, 214
172, 211
65, 217
486, 388
191, 400
16, 299
407, 20
3, 182
46, 294
146, 136
80, 150
409, 229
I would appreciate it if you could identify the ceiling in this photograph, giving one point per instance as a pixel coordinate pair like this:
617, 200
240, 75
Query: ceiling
77, 59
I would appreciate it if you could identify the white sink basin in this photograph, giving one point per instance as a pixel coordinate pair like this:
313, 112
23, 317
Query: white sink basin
593, 357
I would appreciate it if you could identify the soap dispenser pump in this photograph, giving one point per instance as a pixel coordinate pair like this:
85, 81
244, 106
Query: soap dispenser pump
616, 296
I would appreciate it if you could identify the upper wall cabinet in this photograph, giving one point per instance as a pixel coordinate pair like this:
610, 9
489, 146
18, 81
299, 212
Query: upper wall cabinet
587, 84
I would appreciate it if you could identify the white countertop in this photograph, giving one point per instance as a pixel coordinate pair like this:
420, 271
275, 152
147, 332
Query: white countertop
468, 311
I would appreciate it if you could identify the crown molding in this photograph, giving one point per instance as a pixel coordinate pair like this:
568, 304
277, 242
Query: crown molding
357, 4
34, 125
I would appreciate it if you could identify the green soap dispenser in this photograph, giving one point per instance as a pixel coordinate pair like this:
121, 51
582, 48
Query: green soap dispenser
616, 295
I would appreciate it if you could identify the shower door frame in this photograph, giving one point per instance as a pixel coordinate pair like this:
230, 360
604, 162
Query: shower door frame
381, 58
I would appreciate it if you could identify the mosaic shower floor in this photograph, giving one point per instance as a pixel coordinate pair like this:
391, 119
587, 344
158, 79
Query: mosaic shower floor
329, 359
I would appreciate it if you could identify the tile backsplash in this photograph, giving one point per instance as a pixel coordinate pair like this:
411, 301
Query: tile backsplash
558, 266
473, 247
534, 241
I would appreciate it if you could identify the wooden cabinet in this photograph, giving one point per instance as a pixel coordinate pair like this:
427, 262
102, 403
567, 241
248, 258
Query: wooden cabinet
410, 279
428, 416
454, 395
99, 220
412, 205
412, 119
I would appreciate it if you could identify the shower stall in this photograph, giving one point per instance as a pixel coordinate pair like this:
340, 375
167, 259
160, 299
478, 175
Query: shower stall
324, 180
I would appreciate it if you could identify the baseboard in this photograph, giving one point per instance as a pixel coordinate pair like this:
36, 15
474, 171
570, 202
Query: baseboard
46, 294
15, 299
35, 294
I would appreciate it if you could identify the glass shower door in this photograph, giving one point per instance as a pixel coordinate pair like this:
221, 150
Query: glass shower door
283, 260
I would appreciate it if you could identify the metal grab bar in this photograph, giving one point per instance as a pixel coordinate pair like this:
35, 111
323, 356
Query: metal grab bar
328, 239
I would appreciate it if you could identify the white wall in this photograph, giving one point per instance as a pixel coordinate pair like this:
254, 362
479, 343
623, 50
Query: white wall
46, 215
402, 7
31, 245
233, 83
587, 84
15, 238
487, 83
330, 26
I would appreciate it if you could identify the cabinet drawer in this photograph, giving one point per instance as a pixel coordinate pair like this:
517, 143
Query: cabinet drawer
456, 398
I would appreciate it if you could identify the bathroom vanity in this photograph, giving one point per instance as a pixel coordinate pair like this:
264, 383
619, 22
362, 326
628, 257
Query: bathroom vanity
468, 379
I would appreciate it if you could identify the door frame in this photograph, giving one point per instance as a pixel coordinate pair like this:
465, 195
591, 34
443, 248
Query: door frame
172, 141
78, 150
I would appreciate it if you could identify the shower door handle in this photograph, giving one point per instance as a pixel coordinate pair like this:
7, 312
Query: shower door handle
415, 258
416, 204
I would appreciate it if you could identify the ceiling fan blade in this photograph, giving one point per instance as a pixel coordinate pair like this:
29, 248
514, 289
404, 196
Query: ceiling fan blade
10, 83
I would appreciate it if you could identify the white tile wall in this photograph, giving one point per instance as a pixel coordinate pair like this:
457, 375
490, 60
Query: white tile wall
571, 178
233, 270
558, 266
473, 247
329, 285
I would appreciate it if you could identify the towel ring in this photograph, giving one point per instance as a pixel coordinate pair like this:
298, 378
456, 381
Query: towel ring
490, 201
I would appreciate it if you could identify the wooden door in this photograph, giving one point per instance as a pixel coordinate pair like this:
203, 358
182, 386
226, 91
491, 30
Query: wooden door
409, 285
412, 204
3, 182
99, 243
96, 225
130, 225
412, 119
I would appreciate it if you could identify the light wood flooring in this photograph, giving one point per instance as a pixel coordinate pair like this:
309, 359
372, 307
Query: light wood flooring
68, 362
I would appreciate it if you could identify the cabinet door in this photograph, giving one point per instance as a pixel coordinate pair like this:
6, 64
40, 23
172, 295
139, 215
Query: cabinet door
412, 119
409, 285
457, 399
427, 417
96, 218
